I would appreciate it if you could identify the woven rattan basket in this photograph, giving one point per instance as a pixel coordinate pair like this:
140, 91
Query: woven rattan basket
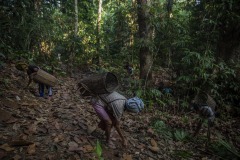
203, 98
100, 83
45, 78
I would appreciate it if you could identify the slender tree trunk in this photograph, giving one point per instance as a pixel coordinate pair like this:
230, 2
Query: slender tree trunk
228, 44
98, 30
145, 56
76, 18
72, 54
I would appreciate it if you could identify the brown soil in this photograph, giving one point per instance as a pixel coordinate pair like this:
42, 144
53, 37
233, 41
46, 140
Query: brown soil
65, 127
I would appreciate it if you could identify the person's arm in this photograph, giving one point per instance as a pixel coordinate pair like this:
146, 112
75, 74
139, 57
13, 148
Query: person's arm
30, 79
117, 126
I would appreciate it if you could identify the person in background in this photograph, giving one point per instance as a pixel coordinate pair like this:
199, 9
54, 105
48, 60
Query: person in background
166, 89
129, 68
31, 71
205, 107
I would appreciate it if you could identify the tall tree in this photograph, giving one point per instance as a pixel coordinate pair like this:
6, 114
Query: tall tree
145, 56
76, 18
98, 30
73, 51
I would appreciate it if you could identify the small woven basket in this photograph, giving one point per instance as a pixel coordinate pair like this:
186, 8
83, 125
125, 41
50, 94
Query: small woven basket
203, 98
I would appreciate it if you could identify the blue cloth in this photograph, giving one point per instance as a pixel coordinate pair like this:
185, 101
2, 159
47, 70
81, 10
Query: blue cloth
134, 104
167, 90
41, 87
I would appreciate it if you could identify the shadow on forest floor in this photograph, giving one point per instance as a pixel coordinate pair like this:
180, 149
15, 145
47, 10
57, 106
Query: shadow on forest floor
65, 127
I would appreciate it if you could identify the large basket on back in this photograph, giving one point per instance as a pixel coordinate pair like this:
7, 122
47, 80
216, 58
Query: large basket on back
203, 98
99, 83
45, 78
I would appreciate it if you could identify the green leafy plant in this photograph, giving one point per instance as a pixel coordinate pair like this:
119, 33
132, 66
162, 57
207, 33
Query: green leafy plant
161, 128
98, 150
5, 81
180, 135
182, 154
225, 149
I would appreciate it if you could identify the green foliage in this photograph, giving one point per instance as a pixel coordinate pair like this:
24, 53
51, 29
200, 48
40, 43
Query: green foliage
5, 82
188, 42
182, 154
225, 150
167, 132
180, 135
161, 128
98, 150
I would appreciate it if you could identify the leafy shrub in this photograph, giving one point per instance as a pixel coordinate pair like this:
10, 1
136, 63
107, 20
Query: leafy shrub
161, 128
180, 135
225, 150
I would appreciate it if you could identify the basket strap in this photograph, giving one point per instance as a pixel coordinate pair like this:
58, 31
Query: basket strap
107, 103
85, 87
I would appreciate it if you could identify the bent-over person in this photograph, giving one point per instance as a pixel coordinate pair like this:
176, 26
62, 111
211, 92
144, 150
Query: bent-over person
31, 71
205, 106
110, 108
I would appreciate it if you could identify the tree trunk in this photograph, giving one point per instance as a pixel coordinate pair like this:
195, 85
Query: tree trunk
76, 18
145, 56
228, 44
72, 54
98, 31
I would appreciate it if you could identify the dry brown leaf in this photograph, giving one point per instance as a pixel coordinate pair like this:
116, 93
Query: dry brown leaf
27, 104
141, 146
31, 149
72, 144
20, 143
150, 130
73, 148
32, 128
11, 120
77, 140
57, 126
127, 157
42, 130
91, 129
4, 115
41, 119
153, 143
16, 126
6, 147
2, 154
59, 138
154, 149
87, 148
17, 157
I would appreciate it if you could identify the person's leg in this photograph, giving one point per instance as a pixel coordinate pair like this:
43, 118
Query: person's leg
41, 89
49, 91
105, 123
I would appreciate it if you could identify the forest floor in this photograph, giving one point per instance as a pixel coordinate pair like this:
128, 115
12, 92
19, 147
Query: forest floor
65, 127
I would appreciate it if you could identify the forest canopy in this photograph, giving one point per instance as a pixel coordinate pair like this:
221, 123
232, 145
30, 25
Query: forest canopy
197, 42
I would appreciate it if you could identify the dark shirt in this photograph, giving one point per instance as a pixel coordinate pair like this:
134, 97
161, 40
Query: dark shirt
32, 69
129, 69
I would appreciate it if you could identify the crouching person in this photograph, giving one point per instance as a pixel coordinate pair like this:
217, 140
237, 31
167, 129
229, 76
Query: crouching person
205, 106
110, 108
